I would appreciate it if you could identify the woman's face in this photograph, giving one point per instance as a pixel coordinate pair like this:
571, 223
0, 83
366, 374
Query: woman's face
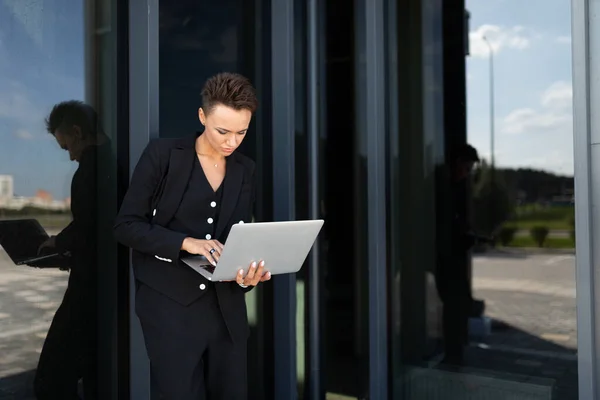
225, 128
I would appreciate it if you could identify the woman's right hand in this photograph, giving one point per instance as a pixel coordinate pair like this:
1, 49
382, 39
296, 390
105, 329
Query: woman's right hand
211, 249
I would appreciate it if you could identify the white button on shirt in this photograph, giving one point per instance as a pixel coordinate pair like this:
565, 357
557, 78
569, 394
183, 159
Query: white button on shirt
213, 204
208, 237
210, 220
202, 286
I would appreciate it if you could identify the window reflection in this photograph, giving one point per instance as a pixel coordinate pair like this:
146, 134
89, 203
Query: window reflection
56, 168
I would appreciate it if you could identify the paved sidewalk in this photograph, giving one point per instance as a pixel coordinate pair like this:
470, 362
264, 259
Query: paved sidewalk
531, 299
28, 300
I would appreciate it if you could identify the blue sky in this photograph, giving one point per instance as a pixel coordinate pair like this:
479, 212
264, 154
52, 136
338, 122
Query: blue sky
533, 90
42, 62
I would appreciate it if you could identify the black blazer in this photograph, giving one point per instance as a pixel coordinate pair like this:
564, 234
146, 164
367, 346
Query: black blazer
156, 249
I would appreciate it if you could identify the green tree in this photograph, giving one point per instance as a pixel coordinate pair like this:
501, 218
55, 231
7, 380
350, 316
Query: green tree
492, 203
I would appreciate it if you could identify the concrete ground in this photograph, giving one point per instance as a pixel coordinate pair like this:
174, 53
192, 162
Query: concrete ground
28, 299
530, 297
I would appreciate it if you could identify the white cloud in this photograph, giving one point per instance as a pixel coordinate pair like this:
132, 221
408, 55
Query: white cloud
540, 136
23, 134
555, 113
499, 38
19, 110
563, 39
559, 96
15, 104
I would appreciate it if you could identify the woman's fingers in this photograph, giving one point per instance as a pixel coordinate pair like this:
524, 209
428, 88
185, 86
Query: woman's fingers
266, 277
255, 274
214, 249
250, 275
211, 257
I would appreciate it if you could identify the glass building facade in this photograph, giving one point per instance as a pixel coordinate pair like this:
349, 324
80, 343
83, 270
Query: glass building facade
361, 104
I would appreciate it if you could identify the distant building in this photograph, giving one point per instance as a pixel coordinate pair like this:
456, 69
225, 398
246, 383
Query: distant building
6, 187
43, 195
43, 199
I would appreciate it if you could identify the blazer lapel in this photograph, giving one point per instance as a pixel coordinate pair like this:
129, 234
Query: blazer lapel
231, 191
181, 163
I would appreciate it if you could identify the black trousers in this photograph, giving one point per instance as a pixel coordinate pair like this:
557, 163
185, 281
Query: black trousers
69, 351
192, 356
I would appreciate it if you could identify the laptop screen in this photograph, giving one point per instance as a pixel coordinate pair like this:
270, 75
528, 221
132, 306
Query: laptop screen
21, 238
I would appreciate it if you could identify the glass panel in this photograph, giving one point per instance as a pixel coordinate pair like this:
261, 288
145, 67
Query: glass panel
198, 39
301, 178
58, 105
484, 276
343, 205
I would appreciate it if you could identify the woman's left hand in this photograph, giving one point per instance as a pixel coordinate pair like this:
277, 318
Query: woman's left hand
254, 276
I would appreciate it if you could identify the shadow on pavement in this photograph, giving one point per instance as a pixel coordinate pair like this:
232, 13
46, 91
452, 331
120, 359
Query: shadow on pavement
18, 386
514, 355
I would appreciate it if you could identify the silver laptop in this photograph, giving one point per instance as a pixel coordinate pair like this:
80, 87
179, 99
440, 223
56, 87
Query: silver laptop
283, 246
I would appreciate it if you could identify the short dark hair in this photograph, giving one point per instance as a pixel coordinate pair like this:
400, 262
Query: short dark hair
231, 90
466, 153
70, 113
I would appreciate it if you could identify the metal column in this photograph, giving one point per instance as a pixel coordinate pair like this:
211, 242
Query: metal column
586, 136
284, 286
315, 388
143, 126
371, 120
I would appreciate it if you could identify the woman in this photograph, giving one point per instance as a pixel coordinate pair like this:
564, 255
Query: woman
184, 196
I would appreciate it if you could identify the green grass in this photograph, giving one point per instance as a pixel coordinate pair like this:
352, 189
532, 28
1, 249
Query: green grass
553, 225
554, 218
551, 243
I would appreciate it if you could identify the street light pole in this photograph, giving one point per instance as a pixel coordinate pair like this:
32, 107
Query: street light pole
492, 133
492, 200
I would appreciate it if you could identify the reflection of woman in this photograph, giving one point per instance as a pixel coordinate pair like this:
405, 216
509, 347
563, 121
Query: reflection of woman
185, 195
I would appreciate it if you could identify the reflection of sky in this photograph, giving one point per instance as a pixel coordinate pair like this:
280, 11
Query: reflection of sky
532, 47
41, 63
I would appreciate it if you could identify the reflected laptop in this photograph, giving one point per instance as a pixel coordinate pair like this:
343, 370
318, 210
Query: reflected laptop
283, 246
21, 239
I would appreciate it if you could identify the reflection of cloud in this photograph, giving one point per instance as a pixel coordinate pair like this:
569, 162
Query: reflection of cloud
23, 134
536, 136
18, 111
15, 104
555, 113
30, 14
558, 96
516, 37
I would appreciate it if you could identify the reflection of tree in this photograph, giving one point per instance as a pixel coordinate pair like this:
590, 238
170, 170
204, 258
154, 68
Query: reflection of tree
492, 204
49, 219
31, 210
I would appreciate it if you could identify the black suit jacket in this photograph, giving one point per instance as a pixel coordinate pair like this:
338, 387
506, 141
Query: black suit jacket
156, 249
